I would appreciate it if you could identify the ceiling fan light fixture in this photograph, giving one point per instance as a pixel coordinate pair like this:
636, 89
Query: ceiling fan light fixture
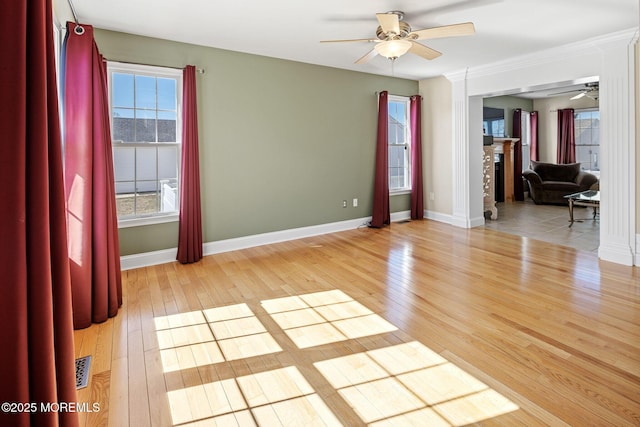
578, 96
393, 49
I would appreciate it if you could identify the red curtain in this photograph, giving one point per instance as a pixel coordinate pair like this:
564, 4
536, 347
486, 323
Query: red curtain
534, 136
37, 361
566, 137
381, 214
190, 228
516, 131
415, 117
90, 189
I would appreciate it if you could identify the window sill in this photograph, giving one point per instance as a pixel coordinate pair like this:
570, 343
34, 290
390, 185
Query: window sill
400, 192
148, 220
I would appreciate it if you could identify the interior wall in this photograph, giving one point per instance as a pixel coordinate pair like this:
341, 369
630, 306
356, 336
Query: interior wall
508, 104
282, 143
547, 109
436, 145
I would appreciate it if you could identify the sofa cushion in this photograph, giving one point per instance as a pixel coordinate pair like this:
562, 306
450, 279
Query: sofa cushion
554, 172
561, 186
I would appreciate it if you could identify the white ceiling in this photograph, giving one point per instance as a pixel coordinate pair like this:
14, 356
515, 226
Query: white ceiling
292, 29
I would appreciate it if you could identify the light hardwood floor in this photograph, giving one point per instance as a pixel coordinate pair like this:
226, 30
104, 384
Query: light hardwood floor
419, 323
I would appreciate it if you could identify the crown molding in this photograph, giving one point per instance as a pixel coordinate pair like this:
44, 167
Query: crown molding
564, 52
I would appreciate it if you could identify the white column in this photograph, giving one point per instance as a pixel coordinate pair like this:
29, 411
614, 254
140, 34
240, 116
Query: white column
618, 156
467, 157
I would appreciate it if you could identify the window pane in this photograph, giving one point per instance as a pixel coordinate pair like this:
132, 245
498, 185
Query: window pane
397, 121
145, 167
125, 199
124, 163
166, 94
122, 87
123, 125
145, 126
167, 124
147, 200
168, 162
397, 157
145, 92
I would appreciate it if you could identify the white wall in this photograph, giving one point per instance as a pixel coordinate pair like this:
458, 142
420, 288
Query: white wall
436, 145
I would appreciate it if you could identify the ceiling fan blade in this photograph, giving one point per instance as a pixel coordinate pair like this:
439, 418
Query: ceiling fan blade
367, 57
454, 30
423, 51
389, 22
350, 41
578, 96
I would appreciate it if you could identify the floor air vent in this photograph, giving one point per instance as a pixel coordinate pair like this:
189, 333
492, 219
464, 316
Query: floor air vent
82, 371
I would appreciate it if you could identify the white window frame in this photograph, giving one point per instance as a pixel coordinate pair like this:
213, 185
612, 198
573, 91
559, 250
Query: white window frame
148, 70
588, 110
407, 145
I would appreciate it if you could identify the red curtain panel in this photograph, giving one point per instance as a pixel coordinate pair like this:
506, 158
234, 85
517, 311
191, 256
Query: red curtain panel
566, 137
381, 215
534, 136
415, 115
190, 228
90, 190
37, 359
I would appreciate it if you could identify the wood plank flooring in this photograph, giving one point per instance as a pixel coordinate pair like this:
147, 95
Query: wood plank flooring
419, 323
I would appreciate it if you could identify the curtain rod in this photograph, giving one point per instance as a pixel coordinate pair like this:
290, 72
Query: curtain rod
198, 70
79, 30
73, 11
395, 94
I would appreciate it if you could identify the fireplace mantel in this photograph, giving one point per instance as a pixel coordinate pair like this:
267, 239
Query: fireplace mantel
505, 146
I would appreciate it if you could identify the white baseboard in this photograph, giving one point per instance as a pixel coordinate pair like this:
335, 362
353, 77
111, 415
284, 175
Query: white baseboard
437, 216
237, 243
128, 262
145, 259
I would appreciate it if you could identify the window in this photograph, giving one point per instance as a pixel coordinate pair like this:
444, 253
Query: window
399, 144
145, 107
493, 121
587, 131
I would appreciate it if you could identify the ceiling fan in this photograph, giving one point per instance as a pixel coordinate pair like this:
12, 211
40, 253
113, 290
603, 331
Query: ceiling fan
394, 37
591, 90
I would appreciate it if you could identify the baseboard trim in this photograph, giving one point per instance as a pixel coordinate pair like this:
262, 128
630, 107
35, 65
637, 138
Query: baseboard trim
146, 259
620, 254
440, 217
245, 242
128, 262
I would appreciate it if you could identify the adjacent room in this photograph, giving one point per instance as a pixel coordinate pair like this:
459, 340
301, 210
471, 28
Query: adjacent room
284, 213
530, 209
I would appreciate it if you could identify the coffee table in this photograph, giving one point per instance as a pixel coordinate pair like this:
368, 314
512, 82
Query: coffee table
589, 198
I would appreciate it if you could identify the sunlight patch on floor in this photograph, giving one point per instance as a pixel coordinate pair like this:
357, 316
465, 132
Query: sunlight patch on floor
324, 317
403, 384
199, 338
408, 382
276, 397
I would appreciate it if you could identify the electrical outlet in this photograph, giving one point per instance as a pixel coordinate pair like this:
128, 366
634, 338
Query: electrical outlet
344, 203
432, 196
355, 203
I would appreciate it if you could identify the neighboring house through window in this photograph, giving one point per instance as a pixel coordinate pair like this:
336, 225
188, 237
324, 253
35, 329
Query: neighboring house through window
587, 132
399, 144
145, 107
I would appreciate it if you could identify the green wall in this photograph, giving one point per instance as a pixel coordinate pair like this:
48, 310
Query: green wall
282, 143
